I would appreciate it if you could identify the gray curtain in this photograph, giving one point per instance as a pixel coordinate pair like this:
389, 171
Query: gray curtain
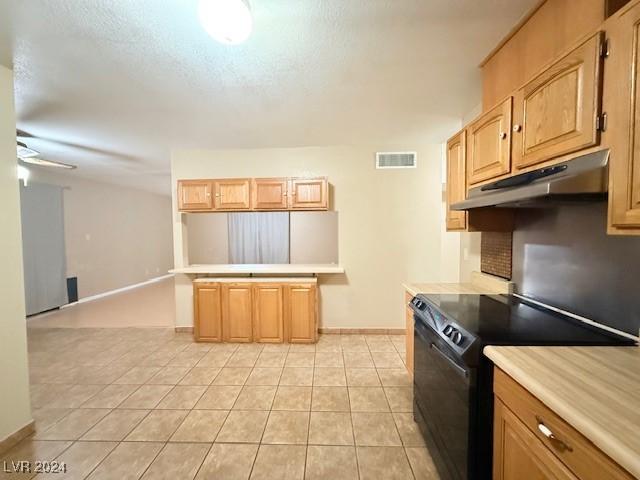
259, 237
43, 249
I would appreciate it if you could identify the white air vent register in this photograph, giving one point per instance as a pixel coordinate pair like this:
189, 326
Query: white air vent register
396, 159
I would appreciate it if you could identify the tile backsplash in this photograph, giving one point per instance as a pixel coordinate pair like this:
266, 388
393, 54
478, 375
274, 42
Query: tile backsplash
496, 253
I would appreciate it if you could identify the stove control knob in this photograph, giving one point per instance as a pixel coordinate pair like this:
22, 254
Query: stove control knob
457, 338
448, 330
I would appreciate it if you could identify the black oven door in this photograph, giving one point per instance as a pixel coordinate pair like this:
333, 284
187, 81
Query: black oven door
443, 391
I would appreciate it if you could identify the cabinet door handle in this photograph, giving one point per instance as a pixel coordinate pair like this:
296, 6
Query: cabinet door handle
517, 128
546, 431
503, 135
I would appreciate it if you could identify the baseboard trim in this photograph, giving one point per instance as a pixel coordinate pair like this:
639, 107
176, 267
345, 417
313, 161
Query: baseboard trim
184, 329
119, 290
17, 436
362, 331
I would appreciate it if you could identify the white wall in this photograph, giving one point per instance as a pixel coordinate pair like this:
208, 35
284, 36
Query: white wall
313, 237
115, 236
389, 223
15, 409
470, 242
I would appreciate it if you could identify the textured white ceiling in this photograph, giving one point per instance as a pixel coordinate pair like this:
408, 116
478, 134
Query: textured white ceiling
114, 85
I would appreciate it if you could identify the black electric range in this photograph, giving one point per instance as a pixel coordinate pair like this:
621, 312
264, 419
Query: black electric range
453, 394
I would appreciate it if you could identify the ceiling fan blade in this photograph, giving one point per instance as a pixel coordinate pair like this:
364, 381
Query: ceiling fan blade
23, 134
41, 162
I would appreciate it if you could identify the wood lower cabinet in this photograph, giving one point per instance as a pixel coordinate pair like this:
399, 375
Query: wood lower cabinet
456, 180
194, 195
518, 454
208, 308
270, 193
237, 308
409, 333
301, 313
268, 313
622, 104
557, 113
308, 193
533, 442
489, 144
233, 194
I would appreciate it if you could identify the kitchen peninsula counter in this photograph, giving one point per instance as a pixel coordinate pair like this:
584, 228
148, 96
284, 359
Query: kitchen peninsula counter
260, 269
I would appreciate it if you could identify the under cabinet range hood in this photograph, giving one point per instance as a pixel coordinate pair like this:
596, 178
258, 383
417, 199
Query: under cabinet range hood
582, 178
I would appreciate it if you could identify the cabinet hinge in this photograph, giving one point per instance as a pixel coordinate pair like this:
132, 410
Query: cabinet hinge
601, 122
604, 48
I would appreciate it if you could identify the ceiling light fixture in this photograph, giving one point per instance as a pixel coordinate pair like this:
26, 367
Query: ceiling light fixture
228, 21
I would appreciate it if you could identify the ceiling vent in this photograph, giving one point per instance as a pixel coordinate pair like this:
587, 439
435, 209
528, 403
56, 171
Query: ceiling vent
396, 159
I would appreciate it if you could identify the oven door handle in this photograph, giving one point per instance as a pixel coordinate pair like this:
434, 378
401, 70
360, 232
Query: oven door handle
456, 367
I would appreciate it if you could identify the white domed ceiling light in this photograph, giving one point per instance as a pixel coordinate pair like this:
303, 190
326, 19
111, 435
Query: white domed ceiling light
228, 21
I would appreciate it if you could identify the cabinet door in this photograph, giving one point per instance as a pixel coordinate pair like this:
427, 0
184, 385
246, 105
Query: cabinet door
308, 193
194, 195
409, 334
233, 194
556, 113
268, 313
207, 312
456, 181
270, 194
489, 140
518, 454
237, 312
301, 314
622, 104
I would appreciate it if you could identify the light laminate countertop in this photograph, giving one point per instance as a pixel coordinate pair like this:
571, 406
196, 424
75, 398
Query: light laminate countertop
594, 389
261, 269
481, 283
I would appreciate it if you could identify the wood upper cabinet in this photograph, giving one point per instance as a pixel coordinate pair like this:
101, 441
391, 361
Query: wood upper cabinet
557, 112
233, 194
301, 313
489, 144
456, 180
268, 313
195, 195
246, 194
270, 193
237, 312
622, 104
518, 454
308, 193
208, 311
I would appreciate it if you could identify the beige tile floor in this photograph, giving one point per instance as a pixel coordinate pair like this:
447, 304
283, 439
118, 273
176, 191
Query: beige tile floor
151, 305
149, 403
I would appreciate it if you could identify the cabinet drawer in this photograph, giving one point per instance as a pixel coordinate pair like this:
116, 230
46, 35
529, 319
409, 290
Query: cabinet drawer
583, 458
516, 450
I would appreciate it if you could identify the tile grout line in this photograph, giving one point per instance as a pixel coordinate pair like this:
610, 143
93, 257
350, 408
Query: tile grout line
353, 430
186, 349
